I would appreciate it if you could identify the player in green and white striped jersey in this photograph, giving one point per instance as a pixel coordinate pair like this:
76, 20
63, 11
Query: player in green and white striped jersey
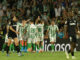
23, 34
53, 29
40, 35
32, 30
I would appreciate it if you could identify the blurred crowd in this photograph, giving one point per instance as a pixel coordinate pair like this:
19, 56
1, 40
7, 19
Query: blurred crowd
56, 10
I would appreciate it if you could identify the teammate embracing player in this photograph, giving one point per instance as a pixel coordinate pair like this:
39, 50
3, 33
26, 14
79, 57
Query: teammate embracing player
23, 34
32, 30
40, 34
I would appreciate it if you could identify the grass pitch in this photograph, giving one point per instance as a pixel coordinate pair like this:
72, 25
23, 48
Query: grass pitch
38, 56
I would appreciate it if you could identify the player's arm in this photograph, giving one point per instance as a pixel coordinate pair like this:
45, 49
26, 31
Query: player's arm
77, 29
65, 28
37, 20
28, 20
13, 30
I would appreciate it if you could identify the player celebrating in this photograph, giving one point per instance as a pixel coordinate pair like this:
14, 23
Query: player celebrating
52, 29
71, 28
40, 34
13, 34
23, 31
32, 36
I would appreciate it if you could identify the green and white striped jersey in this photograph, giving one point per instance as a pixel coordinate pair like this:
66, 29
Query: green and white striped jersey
40, 30
52, 30
22, 28
32, 30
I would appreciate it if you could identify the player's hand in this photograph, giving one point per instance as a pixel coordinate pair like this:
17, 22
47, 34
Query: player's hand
28, 20
17, 32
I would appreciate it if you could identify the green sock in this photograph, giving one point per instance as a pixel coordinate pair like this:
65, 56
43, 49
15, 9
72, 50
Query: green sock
38, 47
13, 47
34, 47
29, 45
4, 45
52, 46
20, 45
24, 47
10, 48
41, 46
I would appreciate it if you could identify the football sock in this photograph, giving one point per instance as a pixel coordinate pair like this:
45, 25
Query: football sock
41, 47
7, 49
18, 49
34, 47
38, 47
29, 45
4, 46
72, 53
52, 46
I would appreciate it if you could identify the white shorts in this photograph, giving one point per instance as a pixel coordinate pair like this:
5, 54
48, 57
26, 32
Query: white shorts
30, 40
53, 39
6, 38
19, 38
39, 39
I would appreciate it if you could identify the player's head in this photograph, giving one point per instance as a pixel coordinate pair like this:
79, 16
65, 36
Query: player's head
15, 18
52, 23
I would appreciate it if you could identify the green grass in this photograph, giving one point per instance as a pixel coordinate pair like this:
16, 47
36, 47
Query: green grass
38, 56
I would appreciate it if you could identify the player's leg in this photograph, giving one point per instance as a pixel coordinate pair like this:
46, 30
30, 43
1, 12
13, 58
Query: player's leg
29, 45
4, 46
21, 42
17, 46
34, 44
41, 45
52, 43
7, 47
37, 44
11, 46
73, 45
69, 51
25, 46
25, 43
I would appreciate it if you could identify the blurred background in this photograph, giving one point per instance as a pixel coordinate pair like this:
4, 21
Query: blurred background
57, 10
